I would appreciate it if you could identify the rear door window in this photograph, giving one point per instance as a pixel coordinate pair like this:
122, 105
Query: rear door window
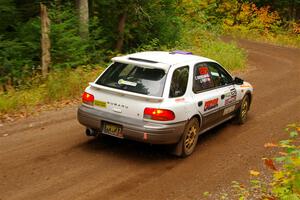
202, 78
132, 78
179, 82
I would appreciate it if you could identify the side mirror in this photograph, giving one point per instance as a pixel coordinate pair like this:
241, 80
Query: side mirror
238, 81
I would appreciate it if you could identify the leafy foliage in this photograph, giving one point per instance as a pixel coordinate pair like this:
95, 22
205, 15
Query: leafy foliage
285, 181
147, 22
256, 20
19, 56
148, 25
68, 49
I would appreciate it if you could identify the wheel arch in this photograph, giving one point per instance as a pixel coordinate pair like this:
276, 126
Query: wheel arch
199, 119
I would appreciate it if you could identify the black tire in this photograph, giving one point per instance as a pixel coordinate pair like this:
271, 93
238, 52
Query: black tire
189, 139
241, 117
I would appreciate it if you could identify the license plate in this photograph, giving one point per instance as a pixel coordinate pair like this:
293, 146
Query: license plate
112, 129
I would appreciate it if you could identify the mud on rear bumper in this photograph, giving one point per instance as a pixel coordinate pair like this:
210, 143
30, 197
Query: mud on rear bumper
132, 129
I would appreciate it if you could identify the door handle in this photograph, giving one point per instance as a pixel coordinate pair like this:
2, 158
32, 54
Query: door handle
200, 103
222, 96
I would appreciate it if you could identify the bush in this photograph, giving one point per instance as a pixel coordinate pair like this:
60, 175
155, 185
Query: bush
261, 24
60, 85
68, 49
207, 44
19, 57
284, 184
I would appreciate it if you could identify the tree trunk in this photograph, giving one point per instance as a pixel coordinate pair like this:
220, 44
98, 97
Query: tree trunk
45, 40
237, 12
298, 11
121, 30
83, 11
4, 88
292, 10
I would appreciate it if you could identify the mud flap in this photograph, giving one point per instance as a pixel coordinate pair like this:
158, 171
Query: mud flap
177, 148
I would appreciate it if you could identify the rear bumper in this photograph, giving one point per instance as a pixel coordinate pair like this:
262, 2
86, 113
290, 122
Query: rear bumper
132, 129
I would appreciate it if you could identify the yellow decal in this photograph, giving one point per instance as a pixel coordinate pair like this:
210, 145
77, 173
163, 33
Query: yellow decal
245, 86
101, 104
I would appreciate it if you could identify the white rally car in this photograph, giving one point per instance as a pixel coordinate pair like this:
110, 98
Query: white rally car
163, 98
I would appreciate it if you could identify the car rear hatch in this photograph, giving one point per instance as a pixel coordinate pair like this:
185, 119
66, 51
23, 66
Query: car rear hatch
127, 89
121, 103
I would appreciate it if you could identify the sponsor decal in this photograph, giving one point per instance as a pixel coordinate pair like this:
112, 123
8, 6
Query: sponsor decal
203, 76
203, 70
200, 77
245, 86
204, 80
230, 100
233, 92
229, 110
123, 82
211, 104
228, 94
101, 104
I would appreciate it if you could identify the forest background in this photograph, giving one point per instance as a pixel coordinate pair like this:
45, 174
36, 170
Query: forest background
40, 66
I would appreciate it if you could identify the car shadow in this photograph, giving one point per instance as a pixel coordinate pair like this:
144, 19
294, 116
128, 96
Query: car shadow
137, 150
126, 148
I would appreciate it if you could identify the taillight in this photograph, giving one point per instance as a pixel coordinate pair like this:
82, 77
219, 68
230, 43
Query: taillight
158, 114
88, 98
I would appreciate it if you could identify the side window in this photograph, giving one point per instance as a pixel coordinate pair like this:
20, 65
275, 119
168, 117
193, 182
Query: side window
202, 78
219, 75
215, 75
179, 82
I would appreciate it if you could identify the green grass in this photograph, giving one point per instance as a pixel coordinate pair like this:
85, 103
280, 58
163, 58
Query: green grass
287, 40
281, 38
60, 85
210, 45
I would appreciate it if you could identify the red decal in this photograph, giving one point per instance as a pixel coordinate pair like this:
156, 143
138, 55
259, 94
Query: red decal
211, 104
179, 100
203, 70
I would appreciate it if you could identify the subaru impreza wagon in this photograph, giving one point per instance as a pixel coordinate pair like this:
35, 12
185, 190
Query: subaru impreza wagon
163, 98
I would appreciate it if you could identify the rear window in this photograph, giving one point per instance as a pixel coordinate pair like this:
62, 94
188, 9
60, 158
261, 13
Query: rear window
134, 78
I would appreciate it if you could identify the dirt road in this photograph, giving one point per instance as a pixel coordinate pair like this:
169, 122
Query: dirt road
49, 157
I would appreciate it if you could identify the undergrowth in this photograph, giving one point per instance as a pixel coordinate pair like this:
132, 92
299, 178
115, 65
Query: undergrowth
262, 24
60, 85
209, 45
284, 182
281, 39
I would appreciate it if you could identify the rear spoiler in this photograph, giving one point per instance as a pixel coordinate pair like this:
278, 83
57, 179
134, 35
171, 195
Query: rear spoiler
150, 65
123, 92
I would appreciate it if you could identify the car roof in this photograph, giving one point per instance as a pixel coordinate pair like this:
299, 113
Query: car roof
161, 59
